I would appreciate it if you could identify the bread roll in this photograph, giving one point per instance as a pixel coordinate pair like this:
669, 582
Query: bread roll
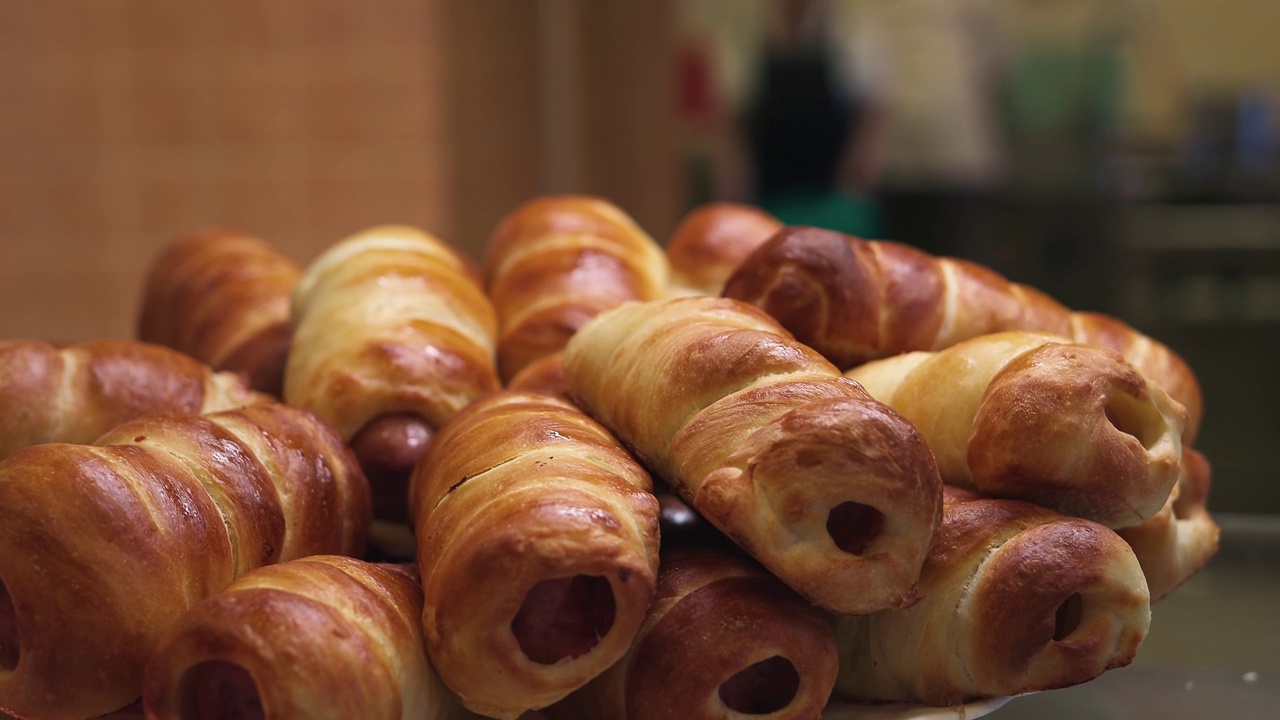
103, 546
1030, 416
855, 300
826, 487
393, 335
1016, 598
554, 263
319, 637
711, 241
538, 547
1179, 540
544, 375
74, 394
222, 297
723, 639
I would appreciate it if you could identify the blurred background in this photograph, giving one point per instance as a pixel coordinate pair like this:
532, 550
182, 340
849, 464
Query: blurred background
1119, 154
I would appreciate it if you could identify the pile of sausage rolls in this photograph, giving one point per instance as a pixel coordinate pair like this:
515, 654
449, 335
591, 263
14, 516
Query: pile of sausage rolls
748, 473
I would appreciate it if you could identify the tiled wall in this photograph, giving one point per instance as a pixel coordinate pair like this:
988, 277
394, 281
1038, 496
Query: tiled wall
124, 123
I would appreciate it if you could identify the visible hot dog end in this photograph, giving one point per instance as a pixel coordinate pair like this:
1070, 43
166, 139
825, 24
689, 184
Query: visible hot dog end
564, 617
387, 449
763, 688
220, 690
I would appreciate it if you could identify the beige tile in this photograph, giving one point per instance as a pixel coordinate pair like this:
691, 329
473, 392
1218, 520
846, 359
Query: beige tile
261, 206
17, 211
77, 206
357, 111
162, 25
165, 115
337, 25
337, 207
249, 24
168, 207
68, 307
46, 114
249, 113
41, 251
274, 67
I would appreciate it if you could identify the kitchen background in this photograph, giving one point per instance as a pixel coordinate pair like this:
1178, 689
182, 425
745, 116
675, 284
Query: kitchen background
1121, 155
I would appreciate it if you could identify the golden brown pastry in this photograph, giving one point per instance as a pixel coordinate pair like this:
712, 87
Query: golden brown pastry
222, 297
711, 241
538, 546
75, 394
545, 375
1017, 598
392, 336
829, 489
854, 300
1179, 540
554, 263
1034, 417
723, 639
319, 637
103, 546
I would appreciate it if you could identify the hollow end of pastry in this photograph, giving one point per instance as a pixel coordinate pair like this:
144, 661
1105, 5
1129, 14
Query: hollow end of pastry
1066, 619
1060, 440
854, 527
762, 688
219, 690
1138, 419
564, 618
1075, 620
10, 642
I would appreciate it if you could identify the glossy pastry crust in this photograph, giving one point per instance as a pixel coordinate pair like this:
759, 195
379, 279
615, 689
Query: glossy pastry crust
76, 393
722, 637
222, 296
393, 336
544, 375
1016, 598
538, 547
389, 320
103, 546
826, 487
557, 261
855, 300
711, 241
319, 637
1179, 540
1031, 416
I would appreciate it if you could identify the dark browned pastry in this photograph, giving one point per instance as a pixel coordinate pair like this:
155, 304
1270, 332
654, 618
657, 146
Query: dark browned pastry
554, 263
222, 297
392, 336
538, 546
723, 639
1016, 598
75, 394
829, 489
1030, 416
711, 241
855, 300
1179, 540
103, 546
323, 638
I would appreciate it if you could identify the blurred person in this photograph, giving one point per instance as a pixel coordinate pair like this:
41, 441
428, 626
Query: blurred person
787, 112
931, 73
